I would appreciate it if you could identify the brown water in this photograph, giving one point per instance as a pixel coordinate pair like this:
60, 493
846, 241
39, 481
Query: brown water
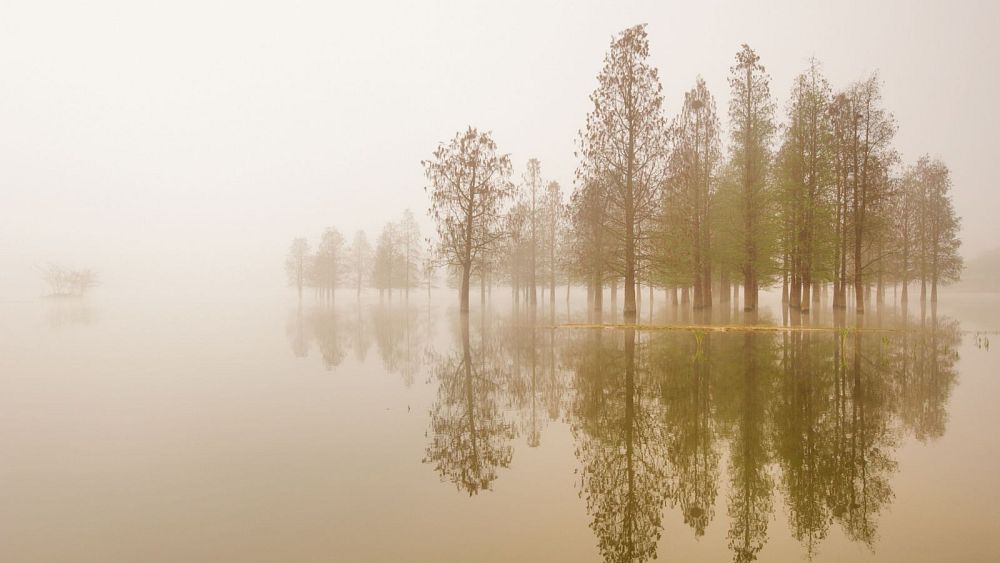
255, 430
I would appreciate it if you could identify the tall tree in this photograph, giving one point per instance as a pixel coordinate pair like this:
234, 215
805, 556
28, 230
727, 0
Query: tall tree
694, 162
623, 144
469, 185
532, 187
806, 191
554, 211
751, 112
295, 263
938, 227
871, 154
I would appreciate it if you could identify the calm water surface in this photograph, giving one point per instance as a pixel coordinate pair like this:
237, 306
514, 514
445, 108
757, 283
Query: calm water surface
257, 430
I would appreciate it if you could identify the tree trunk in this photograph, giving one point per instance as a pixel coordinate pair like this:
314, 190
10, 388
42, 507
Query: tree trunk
466, 275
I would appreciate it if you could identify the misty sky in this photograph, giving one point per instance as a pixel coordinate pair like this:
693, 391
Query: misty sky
185, 143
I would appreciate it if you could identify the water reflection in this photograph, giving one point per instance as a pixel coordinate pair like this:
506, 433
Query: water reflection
670, 425
400, 334
470, 436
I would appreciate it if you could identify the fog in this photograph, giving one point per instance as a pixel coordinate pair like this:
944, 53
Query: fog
179, 147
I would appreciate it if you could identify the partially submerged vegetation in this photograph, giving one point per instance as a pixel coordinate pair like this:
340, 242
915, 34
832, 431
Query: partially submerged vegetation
67, 282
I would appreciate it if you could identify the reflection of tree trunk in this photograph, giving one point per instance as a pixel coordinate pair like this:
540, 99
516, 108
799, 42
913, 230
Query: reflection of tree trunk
631, 509
470, 410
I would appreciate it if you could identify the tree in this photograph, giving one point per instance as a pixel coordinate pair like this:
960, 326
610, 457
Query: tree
805, 186
361, 258
751, 113
863, 156
532, 186
937, 227
330, 262
65, 281
554, 212
388, 261
623, 145
469, 184
591, 244
410, 241
295, 263
694, 162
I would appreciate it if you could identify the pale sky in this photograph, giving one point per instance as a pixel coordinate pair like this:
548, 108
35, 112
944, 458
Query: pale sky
175, 143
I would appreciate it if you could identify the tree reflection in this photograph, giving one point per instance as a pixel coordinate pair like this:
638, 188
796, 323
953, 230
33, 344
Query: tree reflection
687, 393
621, 442
400, 332
749, 390
811, 416
470, 438
810, 420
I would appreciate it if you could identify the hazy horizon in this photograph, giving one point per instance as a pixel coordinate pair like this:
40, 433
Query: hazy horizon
186, 145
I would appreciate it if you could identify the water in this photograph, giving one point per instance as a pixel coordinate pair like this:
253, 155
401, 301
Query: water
251, 429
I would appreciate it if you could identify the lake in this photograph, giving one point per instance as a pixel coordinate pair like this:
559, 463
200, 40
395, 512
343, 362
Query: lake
249, 428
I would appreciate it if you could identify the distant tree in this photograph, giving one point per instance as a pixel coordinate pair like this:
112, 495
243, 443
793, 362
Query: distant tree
361, 258
330, 262
751, 112
410, 243
469, 185
532, 187
518, 249
295, 263
937, 226
428, 271
623, 145
68, 282
387, 266
554, 213
871, 154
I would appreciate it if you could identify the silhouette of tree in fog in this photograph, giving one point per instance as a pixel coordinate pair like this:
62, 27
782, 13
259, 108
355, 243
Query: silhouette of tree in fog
361, 258
330, 263
623, 145
296, 264
532, 188
469, 184
936, 226
66, 282
554, 212
387, 266
410, 251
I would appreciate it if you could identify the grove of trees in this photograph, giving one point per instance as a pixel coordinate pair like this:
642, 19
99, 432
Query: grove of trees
810, 195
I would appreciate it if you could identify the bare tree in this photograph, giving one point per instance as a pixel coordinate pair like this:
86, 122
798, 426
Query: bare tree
469, 185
